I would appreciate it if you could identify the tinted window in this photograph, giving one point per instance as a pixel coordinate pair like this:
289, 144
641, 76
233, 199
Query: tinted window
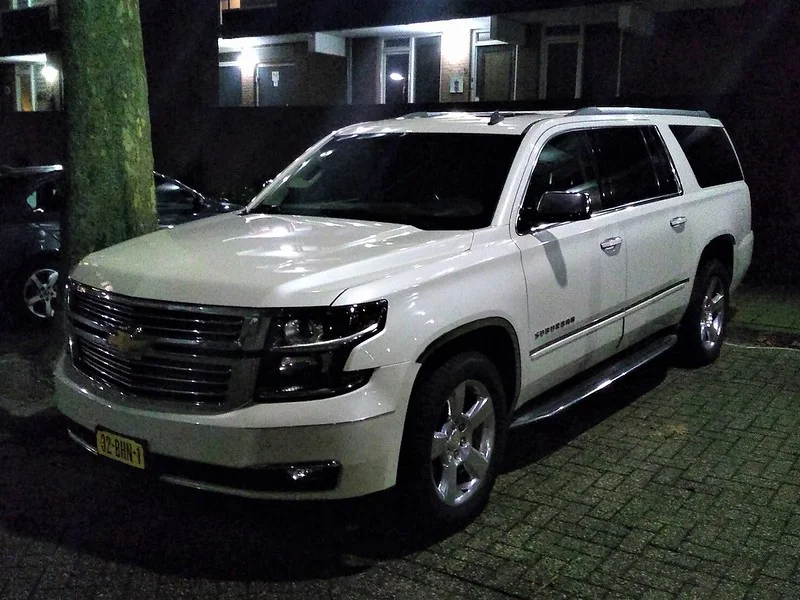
24, 198
48, 197
431, 181
172, 198
624, 164
710, 154
665, 173
564, 165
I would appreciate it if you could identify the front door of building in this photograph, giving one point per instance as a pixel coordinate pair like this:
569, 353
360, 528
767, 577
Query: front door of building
275, 85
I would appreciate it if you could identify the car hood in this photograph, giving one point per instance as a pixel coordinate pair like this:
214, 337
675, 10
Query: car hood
263, 260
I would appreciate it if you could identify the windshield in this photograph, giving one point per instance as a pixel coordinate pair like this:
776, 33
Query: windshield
428, 180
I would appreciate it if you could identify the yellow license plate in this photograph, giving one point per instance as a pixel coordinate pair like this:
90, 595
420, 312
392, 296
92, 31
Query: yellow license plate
122, 449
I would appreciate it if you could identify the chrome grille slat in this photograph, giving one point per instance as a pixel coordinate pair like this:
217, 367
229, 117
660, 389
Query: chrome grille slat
231, 323
112, 311
174, 352
218, 379
151, 364
130, 379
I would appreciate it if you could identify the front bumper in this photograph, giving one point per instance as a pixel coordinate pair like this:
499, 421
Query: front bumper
360, 433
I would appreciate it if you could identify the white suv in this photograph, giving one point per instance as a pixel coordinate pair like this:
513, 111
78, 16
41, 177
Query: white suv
400, 295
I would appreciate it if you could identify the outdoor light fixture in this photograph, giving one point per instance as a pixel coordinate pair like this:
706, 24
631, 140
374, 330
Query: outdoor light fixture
248, 59
396, 77
50, 74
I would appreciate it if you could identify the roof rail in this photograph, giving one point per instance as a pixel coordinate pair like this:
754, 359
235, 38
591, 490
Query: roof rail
619, 110
423, 114
37, 170
483, 113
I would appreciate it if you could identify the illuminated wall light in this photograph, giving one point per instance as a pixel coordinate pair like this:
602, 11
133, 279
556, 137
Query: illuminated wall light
396, 77
50, 74
456, 43
247, 60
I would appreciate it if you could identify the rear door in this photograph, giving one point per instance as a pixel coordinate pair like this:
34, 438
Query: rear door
575, 271
641, 192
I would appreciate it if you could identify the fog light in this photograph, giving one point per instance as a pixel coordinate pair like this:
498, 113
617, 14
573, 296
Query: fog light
323, 475
298, 473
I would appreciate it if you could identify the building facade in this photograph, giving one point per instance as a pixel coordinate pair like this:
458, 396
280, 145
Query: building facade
239, 87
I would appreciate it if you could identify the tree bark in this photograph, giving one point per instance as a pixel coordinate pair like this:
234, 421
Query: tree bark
109, 151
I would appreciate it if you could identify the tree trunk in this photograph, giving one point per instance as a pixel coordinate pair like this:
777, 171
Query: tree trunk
109, 151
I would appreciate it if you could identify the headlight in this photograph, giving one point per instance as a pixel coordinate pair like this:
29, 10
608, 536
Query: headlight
306, 351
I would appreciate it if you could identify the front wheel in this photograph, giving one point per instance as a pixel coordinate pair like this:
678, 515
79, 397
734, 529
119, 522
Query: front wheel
704, 325
453, 441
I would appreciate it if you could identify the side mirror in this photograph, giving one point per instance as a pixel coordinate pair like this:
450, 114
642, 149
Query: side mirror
564, 206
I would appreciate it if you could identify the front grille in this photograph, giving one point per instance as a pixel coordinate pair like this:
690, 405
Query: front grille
154, 319
201, 356
156, 376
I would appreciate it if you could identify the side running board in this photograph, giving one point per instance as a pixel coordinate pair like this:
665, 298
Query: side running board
599, 380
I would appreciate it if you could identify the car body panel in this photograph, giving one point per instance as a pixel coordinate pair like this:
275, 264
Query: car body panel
435, 283
264, 261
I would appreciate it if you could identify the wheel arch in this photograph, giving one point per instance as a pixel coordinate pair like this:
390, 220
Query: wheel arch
720, 248
494, 336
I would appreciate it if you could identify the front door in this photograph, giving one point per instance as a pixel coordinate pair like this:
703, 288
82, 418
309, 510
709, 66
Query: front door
575, 271
275, 85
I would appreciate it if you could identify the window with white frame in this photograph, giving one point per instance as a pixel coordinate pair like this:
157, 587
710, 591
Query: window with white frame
410, 69
561, 73
37, 87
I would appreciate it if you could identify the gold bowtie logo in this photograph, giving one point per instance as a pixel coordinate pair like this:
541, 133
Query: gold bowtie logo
128, 342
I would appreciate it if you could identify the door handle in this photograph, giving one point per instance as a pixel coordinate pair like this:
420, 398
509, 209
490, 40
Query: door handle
677, 222
610, 245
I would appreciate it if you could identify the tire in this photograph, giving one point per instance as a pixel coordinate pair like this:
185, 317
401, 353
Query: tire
32, 295
704, 325
450, 454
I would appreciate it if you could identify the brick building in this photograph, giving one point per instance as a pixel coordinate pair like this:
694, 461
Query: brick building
239, 87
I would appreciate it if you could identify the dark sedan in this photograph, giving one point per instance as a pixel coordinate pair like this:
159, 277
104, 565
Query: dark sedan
31, 199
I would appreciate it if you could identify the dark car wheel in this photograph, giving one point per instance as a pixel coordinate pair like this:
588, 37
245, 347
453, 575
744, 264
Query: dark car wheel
453, 441
33, 294
704, 325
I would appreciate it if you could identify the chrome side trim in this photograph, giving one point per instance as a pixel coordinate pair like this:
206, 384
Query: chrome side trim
658, 296
602, 379
81, 443
216, 488
606, 320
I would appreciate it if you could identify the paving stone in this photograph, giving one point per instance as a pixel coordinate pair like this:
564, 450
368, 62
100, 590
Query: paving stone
687, 488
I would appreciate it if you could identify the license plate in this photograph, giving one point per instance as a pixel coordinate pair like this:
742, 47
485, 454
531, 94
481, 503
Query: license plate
119, 448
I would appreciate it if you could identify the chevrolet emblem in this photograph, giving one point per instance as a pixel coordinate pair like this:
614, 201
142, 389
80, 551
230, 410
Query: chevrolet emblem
128, 342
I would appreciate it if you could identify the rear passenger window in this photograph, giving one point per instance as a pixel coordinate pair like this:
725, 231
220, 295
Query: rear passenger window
624, 165
710, 154
665, 172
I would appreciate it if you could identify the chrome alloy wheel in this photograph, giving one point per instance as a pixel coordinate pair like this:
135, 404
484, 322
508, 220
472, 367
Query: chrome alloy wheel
462, 447
40, 292
712, 313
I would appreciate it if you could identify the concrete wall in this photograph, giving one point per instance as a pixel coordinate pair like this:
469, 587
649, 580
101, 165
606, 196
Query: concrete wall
366, 70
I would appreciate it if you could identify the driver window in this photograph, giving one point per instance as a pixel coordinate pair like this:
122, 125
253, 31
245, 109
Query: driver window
565, 165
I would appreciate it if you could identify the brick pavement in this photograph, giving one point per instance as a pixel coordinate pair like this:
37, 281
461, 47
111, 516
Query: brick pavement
672, 484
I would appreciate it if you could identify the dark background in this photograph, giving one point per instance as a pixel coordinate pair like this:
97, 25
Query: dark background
740, 64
